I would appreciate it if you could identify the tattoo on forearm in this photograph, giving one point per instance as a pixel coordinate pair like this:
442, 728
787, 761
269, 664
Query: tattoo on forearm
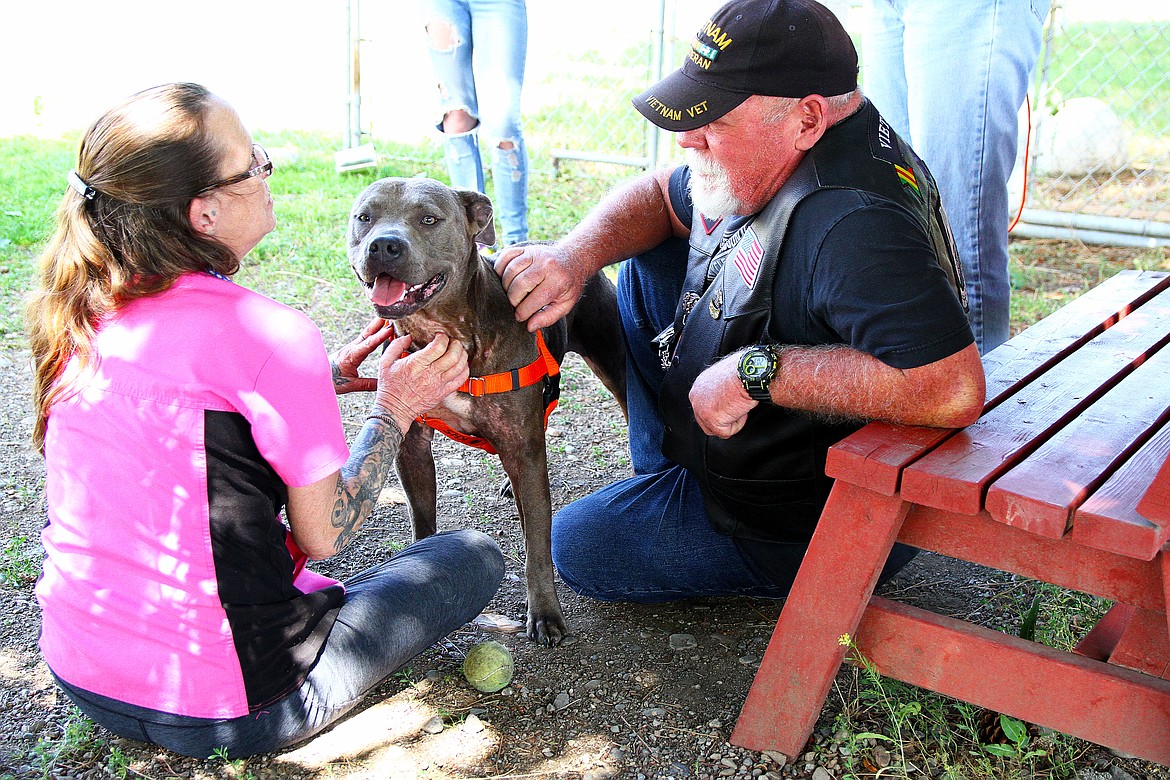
362, 477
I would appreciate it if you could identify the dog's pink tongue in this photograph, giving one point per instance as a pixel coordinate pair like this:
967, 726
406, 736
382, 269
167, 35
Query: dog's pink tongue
387, 290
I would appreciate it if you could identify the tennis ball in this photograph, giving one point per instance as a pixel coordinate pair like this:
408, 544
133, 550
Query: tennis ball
488, 667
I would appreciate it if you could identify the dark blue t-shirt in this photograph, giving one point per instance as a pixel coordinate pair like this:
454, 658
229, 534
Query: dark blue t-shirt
856, 269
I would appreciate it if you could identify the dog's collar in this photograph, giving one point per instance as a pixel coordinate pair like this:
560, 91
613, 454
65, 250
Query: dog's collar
506, 381
544, 367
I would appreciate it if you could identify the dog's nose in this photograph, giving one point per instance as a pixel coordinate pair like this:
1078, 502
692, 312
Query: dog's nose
386, 247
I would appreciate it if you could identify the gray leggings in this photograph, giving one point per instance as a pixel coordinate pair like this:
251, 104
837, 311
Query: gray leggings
391, 613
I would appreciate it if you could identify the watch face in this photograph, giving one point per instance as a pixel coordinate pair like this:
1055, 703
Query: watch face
755, 366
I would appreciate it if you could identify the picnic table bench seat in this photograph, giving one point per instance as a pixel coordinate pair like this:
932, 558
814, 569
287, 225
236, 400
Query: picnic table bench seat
1063, 479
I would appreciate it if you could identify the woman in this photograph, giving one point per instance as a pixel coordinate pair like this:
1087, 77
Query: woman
178, 414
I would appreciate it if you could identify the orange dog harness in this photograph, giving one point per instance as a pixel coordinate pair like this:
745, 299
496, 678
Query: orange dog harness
544, 368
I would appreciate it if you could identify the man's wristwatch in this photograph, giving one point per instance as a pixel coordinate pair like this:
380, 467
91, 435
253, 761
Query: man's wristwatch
757, 369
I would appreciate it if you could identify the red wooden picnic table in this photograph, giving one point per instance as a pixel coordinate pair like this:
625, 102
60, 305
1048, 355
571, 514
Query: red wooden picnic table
1063, 479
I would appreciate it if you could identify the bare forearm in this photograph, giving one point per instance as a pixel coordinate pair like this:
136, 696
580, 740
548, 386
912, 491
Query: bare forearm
629, 220
841, 382
362, 477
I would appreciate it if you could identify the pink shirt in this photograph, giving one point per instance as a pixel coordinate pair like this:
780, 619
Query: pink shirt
130, 595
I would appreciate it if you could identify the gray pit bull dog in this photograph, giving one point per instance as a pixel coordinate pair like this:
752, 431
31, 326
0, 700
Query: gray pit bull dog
412, 244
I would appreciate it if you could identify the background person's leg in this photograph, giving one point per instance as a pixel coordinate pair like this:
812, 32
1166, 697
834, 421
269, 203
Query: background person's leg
500, 32
967, 70
883, 69
448, 29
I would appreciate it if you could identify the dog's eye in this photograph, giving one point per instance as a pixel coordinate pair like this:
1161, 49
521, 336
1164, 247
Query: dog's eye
429, 220
362, 217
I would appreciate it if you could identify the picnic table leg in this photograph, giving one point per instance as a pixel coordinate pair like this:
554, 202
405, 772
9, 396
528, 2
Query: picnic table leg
1101, 640
1144, 646
1132, 637
853, 539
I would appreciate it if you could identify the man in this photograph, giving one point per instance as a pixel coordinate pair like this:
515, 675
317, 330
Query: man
833, 302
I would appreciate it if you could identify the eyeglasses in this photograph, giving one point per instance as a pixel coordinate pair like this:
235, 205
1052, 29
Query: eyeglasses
261, 166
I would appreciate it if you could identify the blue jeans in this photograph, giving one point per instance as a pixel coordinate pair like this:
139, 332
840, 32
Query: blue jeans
391, 613
647, 538
950, 78
479, 62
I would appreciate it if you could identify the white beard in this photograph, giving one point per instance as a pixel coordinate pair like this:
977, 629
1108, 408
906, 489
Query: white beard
711, 191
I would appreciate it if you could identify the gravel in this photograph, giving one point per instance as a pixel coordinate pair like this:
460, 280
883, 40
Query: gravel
635, 692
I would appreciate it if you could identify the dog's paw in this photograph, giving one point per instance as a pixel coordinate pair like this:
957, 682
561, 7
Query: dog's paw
547, 630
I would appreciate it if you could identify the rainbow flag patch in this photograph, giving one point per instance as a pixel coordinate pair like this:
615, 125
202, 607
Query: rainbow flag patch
907, 176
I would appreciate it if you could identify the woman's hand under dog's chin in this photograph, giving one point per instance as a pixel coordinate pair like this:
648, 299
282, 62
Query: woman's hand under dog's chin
415, 383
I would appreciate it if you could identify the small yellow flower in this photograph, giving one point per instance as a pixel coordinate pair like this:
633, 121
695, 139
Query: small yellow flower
844, 640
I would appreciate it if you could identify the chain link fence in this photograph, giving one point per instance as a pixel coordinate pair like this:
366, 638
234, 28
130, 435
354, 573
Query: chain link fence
1098, 158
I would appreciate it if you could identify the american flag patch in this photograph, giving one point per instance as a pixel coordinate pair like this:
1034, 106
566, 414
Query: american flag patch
747, 257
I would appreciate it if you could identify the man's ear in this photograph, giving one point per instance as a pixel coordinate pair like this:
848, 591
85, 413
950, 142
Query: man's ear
203, 213
814, 121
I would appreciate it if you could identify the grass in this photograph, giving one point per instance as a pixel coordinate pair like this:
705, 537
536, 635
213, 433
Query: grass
27, 205
303, 264
557, 125
1048, 274
895, 730
75, 750
20, 562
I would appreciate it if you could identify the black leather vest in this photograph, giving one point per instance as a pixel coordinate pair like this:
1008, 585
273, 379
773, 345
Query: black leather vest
768, 482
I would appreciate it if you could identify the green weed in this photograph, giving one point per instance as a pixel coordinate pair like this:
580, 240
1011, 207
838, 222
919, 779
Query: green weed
54, 757
895, 730
117, 763
233, 767
20, 562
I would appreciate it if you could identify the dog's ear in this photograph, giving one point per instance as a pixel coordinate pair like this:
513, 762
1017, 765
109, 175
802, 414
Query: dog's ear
479, 216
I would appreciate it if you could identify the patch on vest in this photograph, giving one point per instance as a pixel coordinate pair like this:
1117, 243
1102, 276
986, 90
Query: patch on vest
883, 144
689, 299
906, 175
748, 255
715, 305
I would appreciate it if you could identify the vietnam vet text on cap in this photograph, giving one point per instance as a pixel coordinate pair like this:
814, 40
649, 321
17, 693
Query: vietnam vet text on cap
783, 48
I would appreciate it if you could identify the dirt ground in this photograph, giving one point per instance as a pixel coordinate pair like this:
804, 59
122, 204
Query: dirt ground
635, 692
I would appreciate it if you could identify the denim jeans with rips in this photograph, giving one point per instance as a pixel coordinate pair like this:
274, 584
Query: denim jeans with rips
479, 63
647, 538
391, 613
950, 78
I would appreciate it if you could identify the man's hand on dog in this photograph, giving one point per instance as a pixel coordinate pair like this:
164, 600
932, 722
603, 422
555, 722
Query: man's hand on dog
348, 359
418, 382
541, 284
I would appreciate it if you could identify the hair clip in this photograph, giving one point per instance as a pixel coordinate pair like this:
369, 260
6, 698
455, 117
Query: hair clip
83, 189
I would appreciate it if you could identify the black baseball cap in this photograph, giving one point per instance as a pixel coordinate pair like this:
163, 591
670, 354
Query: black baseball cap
783, 48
